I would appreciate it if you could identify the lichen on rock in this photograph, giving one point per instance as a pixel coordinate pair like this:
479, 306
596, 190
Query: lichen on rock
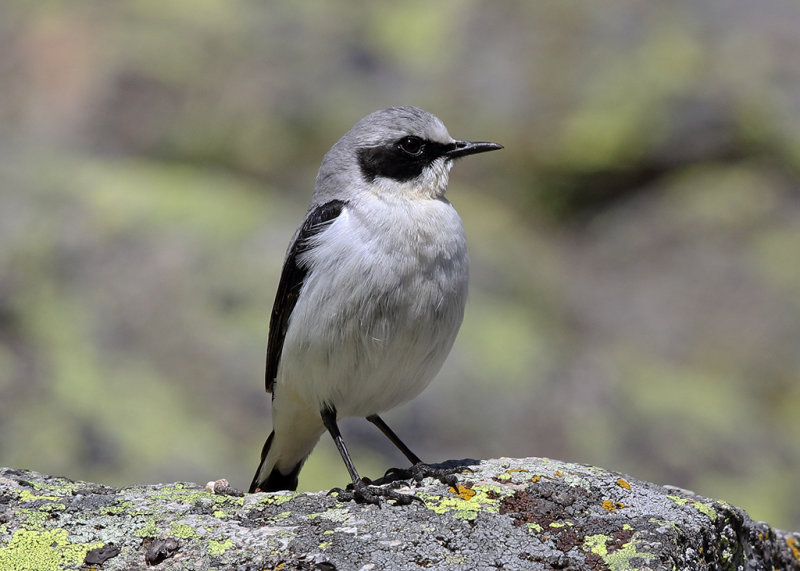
528, 513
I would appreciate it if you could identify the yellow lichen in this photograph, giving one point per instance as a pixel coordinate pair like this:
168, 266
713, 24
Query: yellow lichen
463, 492
612, 506
794, 546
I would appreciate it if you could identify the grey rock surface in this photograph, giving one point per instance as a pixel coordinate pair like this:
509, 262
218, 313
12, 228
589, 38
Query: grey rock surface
505, 513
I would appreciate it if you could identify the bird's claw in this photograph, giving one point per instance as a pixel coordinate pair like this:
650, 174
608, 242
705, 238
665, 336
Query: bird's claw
362, 493
420, 471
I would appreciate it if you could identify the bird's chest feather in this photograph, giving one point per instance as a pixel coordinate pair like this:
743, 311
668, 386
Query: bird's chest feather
381, 305
408, 258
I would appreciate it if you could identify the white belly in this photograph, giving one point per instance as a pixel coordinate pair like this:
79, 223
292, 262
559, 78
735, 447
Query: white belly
376, 317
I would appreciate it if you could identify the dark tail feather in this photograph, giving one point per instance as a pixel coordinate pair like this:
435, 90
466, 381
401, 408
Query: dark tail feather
274, 481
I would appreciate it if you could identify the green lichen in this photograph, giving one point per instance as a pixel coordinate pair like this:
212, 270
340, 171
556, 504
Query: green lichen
228, 501
699, 506
575, 480
55, 485
219, 547
277, 499
42, 550
223, 503
490, 489
28, 496
625, 558
149, 529
596, 544
338, 515
534, 527
37, 515
286, 532
456, 559
178, 492
463, 508
33, 519
182, 530
663, 522
679, 500
706, 509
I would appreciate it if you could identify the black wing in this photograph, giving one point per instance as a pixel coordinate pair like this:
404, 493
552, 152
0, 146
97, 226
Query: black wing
291, 283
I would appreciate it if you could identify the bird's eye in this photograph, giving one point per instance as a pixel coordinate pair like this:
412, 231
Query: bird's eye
412, 145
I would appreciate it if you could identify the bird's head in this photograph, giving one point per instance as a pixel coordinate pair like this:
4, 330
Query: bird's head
402, 151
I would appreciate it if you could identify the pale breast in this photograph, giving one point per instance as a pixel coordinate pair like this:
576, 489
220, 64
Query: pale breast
380, 308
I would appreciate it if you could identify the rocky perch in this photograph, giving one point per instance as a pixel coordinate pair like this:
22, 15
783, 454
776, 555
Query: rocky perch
507, 514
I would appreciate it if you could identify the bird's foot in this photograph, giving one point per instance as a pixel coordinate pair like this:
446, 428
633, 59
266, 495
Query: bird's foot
420, 471
363, 493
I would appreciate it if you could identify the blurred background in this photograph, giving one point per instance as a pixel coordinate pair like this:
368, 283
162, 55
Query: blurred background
635, 293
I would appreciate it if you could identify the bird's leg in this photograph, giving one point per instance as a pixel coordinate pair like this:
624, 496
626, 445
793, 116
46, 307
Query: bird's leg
378, 421
419, 469
361, 492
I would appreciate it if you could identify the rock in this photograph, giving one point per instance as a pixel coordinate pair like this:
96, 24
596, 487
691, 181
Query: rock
506, 514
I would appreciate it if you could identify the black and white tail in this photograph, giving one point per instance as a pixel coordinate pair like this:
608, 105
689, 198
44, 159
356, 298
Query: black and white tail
269, 478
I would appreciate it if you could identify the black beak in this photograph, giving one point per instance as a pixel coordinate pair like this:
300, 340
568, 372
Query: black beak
464, 148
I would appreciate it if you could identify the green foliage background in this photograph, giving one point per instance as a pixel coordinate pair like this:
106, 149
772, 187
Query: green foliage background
635, 286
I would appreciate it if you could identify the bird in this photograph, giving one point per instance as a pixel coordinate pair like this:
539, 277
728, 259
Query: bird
371, 295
